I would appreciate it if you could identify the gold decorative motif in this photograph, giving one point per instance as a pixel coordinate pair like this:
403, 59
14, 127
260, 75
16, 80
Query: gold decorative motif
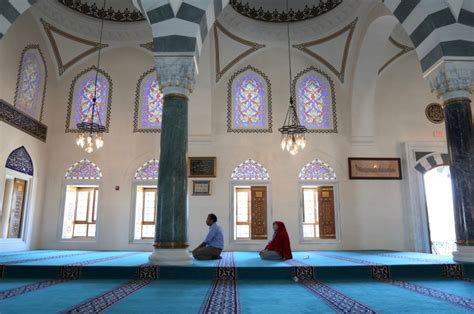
253, 47
404, 50
171, 245
62, 67
339, 73
434, 112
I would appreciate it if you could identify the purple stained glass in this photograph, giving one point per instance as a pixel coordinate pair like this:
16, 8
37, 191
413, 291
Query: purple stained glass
29, 94
152, 100
313, 102
148, 171
250, 170
84, 170
317, 170
249, 101
84, 95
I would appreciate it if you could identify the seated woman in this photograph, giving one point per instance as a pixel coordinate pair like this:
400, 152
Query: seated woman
279, 246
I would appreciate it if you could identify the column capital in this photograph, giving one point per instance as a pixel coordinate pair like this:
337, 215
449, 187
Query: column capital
176, 74
452, 79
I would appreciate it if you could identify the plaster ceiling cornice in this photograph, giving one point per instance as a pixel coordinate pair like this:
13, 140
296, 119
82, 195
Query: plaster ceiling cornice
274, 34
115, 34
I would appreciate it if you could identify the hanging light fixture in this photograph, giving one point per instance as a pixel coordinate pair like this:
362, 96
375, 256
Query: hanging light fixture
292, 132
91, 133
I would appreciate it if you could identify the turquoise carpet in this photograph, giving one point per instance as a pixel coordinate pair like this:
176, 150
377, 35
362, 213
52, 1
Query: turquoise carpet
313, 282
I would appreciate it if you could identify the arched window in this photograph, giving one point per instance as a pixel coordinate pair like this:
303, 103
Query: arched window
315, 101
15, 194
250, 202
318, 188
146, 198
84, 170
317, 170
249, 103
250, 170
31, 82
80, 99
148, 104
81, 200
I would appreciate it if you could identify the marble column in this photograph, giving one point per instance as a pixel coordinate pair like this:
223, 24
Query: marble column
176, 76
453, 81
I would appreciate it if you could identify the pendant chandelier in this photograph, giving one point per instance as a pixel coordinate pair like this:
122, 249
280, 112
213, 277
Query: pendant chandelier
292, 132
91, 132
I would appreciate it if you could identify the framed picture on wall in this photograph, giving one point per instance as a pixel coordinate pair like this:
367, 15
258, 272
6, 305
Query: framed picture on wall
202, 187
202, 167
375, 169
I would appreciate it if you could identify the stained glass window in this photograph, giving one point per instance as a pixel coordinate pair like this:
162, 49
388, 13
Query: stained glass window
148, 104
31, 82
84, 170
317, 170
80, 100
250, 170
249, 107
315, 101
148, 171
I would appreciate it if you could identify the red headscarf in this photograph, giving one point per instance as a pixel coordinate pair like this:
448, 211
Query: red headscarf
280, 242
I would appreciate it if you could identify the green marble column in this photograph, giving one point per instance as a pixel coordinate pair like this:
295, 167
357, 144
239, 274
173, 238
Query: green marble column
172, 213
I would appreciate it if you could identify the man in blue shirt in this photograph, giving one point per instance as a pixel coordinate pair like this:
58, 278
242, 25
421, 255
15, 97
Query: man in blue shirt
213, 245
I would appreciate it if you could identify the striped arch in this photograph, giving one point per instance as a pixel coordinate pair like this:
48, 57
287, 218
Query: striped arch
439, 29
180, 26
10, 10
431, 161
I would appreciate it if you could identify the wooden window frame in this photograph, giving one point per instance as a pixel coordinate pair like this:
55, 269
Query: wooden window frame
148, 223
249, 212
316, 213
90, 213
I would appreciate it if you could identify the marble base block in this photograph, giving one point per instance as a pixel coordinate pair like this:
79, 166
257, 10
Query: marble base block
171, 257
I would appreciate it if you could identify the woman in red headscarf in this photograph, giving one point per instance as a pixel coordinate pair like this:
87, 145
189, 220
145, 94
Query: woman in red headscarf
279, 246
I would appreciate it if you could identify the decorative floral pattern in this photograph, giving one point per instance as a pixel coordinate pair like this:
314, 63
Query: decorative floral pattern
19, 160
31, 82
84, 170
148, 171
148, 104
23, 122
317, 170
250, 170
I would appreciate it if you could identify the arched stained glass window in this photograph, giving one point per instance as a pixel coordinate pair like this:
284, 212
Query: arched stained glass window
148, 104
84, 170
31, 82
148, 171
249, 102
250, 170
80, 99
317, 170
315, 100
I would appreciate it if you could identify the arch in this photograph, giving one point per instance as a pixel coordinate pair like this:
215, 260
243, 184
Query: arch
148, 104
31, 80
148, 171
80, 99
431, 161
249, 102
315, 99
83, 170
365, 78
250, 170
317, 170
20, 160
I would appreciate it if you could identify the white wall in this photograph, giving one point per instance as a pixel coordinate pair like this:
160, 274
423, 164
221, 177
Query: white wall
372, 212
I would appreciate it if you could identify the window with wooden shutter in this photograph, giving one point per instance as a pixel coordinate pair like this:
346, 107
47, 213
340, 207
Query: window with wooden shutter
327, 223
250, 213
318, 213
145, 212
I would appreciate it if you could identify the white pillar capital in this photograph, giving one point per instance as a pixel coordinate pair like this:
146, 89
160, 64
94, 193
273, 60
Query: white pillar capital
176, 74
452, 79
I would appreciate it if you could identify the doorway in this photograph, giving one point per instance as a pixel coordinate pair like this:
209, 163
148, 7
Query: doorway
439, 207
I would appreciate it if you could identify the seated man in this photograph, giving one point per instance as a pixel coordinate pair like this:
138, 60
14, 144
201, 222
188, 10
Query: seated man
212, 246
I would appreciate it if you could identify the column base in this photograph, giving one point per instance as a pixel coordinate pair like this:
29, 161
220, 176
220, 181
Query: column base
464, 253
171, 257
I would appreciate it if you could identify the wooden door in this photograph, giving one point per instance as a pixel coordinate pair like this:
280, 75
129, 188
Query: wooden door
327, 221
258, 212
